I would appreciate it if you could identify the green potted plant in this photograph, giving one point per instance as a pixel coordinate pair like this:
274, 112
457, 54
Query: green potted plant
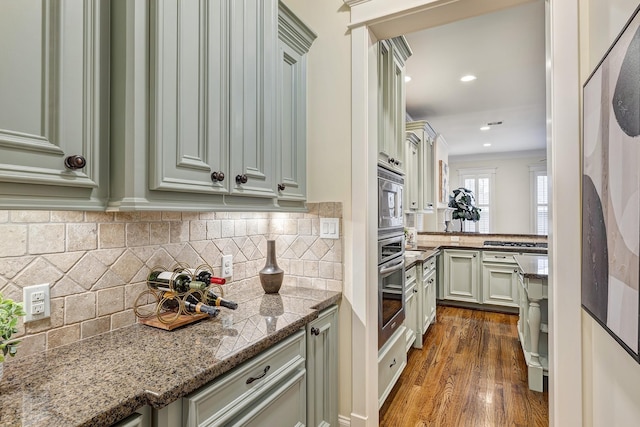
463, 202
10, 311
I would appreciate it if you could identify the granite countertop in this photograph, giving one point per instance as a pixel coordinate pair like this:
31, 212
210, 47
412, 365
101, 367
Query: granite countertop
533, 266
424, 253
101, 380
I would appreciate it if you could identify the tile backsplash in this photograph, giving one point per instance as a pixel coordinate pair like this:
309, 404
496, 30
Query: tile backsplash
97, 262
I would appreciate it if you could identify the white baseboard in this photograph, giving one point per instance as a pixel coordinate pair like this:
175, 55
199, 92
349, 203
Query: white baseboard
344, 421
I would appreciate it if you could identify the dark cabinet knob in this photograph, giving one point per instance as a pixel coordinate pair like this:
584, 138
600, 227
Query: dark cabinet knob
217, 176
241, 179
281, 187
392, 160
75, 162
315, 331
415, 291
397, 162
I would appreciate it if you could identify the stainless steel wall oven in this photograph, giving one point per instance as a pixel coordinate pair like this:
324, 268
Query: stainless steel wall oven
391, 271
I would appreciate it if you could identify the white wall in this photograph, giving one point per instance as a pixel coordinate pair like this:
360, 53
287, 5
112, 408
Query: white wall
329, 142
512, 209
611, 378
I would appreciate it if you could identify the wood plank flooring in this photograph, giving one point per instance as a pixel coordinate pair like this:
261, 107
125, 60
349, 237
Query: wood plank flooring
470, 372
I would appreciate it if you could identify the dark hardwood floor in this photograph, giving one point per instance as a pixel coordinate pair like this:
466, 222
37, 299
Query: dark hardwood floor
470, 372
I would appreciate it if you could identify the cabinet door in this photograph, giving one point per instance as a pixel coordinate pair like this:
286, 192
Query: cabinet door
253, 50
427, 173
294, 42
322, 369
411, 314
54, 77
411, 181
429, 284
499, 285
385, 95
461, 275
188, 128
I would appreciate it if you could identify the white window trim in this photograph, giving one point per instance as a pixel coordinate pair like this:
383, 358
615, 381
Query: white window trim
492, 187
534, 171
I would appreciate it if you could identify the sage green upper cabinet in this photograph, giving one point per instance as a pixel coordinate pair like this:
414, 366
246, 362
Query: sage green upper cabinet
54, 80
197, 82
294, 41
392, 54
411, 179
426, 177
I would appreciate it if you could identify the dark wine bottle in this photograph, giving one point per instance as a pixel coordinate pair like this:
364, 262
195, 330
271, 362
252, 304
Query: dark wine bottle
202, 276
169, 281
214, 299
201, 308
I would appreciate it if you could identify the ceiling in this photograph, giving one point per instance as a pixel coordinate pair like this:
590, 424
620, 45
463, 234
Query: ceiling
505, 50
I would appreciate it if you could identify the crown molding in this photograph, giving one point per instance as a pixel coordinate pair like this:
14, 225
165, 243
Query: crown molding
352, 3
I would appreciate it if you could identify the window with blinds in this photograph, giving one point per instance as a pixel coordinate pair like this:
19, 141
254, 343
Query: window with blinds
539, 200
481, 183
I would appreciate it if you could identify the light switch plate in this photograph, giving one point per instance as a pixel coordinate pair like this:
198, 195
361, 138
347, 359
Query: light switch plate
227, 266
36, 302
329, 228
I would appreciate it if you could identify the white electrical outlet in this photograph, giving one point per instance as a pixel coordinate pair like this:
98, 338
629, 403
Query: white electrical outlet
227, 266
36, 302
455, 238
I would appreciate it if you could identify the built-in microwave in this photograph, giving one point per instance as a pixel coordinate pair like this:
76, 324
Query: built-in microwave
390, 187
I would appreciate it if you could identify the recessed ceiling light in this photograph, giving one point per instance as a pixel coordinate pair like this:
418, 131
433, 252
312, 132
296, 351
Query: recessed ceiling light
468, 78
485, 128
486, 145
407, 78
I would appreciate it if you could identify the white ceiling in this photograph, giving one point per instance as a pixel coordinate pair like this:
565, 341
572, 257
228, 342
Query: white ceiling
506, 51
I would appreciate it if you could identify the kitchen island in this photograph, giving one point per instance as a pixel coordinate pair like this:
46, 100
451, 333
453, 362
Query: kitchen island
103, 379
533, 329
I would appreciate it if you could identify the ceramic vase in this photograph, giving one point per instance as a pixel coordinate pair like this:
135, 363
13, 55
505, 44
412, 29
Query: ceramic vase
271, 275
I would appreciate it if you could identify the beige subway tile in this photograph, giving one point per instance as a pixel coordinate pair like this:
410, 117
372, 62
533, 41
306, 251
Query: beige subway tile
338, 271
228, 228
82, 237
46, 238
64, 261
207, 215
240, 227
290, 226
214, 229
98, 216
197, 230
296, 267
110, 300
222, 215
148, 216
122, 319
179, 231
132, 292
108, 280
30, 216
12, 266
127, 216
94, 327
305, 282
4, 216
326, 210
276, 226
338, 209
13, 240
109, 256
334, 285
159, 233
137, 234
63, 336
67, 216
79, 307
32, 344
325, 270
319, 284
65, 287
304, 227
171, 216
311, 268
111, 235
190, 216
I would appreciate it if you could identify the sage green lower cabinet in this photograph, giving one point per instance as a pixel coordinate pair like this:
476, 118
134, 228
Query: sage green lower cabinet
499, 279
392, 359
141, 418
411, 318
54, 104
322, 369
461, 275
269, 389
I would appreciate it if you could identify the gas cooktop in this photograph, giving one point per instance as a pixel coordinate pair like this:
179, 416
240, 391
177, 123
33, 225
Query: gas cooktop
515, 244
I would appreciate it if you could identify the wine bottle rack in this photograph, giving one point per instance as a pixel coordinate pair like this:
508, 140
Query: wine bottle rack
165, 309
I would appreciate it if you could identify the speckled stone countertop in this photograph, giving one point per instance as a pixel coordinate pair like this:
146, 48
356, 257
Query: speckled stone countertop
424, 253
533, 266
101, 380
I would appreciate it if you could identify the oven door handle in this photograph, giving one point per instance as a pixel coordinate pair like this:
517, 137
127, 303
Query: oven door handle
398, 266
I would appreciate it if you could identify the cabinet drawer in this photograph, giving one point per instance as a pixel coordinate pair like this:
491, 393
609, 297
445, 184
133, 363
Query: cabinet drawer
500, 257
227, 397
429, 265
392, 360
410, 275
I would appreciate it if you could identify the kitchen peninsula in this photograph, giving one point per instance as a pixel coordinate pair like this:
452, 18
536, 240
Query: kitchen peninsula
101, 380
